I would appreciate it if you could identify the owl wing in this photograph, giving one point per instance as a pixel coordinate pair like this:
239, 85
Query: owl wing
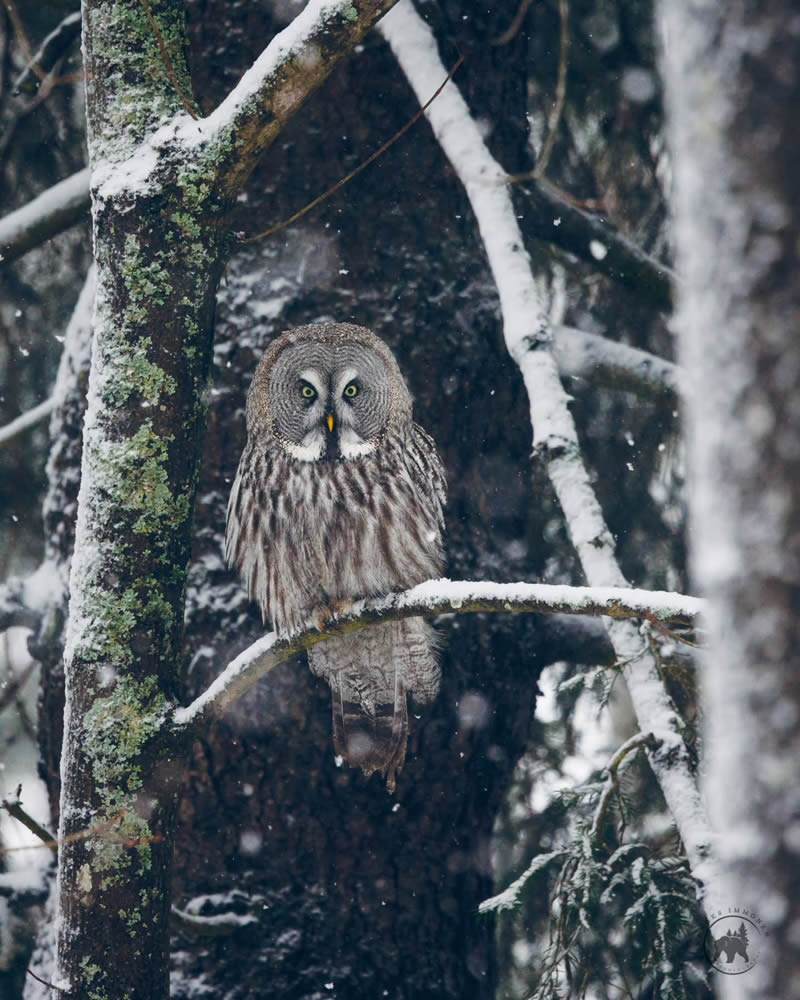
250, 509
427, 470
237, 512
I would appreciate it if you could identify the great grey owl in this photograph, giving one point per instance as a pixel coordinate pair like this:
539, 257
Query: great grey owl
339, 496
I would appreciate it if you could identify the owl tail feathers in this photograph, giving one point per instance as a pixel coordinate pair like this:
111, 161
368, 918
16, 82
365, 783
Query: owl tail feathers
373, 742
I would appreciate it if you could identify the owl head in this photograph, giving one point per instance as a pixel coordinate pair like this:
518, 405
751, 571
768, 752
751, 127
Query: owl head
328, 391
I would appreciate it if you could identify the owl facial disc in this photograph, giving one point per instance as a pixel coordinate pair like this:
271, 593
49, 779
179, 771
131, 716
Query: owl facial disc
329, 402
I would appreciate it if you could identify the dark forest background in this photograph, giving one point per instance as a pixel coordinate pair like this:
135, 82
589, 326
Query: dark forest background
356, 893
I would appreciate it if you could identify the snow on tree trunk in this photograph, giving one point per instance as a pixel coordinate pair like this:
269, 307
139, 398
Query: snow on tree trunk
731, 73
158, 258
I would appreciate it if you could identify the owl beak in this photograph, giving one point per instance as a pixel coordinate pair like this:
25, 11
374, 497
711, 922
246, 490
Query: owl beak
329, 419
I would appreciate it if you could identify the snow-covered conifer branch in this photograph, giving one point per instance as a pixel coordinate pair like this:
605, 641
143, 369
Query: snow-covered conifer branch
435, 597
510, 896
529, 339
53, 211
293, 65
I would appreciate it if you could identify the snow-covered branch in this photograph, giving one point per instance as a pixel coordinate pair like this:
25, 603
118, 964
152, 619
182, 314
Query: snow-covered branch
528, 339
293, 65
510, 896
229, 142
30, 418
217, 925
435, 597
591, 238
53, 47
608, 363
53, 211
24, 600
15, 609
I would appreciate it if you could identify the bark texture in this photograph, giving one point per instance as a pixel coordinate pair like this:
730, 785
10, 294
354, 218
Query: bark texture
733, 83
359, 894
158, 252
354, 893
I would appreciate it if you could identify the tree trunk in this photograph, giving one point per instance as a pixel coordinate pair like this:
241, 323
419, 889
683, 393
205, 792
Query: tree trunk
733, 84
359, 893
158, 254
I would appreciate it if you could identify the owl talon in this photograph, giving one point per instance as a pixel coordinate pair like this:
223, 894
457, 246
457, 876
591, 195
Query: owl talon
322, 617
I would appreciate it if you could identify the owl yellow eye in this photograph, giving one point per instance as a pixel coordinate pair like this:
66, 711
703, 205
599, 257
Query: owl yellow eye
351, 390
307, 391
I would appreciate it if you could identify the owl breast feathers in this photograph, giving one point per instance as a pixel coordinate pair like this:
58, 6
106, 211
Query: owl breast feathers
339, 496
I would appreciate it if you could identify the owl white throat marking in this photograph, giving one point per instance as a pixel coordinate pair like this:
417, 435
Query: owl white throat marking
352, 446
311, 450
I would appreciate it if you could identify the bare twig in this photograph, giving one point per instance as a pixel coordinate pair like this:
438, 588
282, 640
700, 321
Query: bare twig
44, 982
561, 93
50, 51
104, 830
362, 166
22, 38
173, 79
516, 23
14, 808
636, 742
